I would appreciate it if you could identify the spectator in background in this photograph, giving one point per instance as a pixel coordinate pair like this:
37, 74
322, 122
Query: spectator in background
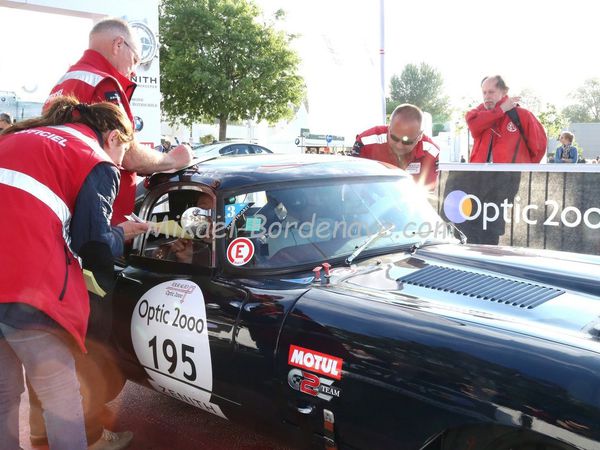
402, 144
5, 121
165, 146
504, 132
566, 153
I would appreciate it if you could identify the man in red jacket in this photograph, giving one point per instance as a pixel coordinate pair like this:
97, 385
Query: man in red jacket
104, 74
402, 144
503, 132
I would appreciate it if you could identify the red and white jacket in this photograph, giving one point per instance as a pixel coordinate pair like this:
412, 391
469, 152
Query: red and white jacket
507, 144
41, 173
423, 164
94, 79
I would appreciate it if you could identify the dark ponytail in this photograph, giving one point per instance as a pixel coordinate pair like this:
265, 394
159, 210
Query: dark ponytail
102, 117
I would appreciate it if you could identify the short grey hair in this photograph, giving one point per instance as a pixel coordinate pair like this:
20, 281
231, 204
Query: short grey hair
114, 25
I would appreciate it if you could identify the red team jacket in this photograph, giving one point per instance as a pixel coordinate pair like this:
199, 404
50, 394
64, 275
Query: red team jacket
372, 144
41, 173
93, 79
507, 143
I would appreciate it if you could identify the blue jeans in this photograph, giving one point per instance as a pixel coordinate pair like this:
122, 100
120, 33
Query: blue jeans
50, 367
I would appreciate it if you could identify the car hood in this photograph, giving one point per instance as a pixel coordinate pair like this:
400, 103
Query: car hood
541, 293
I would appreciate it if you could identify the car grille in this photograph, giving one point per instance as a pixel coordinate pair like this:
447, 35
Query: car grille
483, 287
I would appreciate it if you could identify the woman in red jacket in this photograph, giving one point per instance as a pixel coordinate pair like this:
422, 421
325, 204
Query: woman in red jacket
45, 163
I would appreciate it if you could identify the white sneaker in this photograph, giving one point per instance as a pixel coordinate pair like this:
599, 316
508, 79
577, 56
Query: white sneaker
112, 441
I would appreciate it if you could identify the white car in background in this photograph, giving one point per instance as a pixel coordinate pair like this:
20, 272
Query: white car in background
229, 148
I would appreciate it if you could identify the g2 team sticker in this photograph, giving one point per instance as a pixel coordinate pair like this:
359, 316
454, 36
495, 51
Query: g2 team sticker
170, 339
309, 383
240, 251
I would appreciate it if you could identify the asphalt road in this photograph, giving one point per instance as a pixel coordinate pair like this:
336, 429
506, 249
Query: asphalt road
162, 423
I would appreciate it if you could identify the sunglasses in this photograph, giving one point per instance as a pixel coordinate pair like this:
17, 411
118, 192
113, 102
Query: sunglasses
405, 140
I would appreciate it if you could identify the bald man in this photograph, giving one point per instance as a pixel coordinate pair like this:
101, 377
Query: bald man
403, 144
104, 74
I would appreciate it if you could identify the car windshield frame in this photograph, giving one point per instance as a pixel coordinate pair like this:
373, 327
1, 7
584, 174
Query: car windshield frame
375, 249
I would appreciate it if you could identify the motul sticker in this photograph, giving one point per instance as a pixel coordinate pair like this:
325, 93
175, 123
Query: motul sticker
240, 251
327, 365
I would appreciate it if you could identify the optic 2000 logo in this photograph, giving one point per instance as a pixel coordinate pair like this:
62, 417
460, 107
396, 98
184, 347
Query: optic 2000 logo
460, 207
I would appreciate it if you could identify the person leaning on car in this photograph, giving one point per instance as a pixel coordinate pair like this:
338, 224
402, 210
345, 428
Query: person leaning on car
504, 132
402, 144
104, 74
56, 171
567, 152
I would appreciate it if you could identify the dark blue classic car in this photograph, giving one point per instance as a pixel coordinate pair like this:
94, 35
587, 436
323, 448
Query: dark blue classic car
322, 299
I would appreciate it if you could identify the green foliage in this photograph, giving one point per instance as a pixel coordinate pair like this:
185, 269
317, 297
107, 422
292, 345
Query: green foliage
437, 128
219, 62
553, 121
207, 139
422, 86
577, 114
587, 108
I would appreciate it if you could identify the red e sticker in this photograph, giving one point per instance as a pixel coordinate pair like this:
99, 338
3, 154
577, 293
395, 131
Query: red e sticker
240, 251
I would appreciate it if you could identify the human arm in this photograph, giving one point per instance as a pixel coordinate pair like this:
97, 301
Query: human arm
90, 225
480, 119
537, 140
145, 160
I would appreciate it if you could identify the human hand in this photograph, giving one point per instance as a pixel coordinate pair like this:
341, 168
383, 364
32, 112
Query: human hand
180, 156
132, 229
510, 103
183, 249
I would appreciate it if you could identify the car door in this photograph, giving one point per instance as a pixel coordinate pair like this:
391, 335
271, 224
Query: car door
174, 321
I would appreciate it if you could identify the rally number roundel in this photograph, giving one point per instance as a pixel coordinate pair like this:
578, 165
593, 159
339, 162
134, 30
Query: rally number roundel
240, 251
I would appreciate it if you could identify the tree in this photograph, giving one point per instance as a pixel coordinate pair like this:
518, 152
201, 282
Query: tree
218, 61
553, 121
421, 86
587, 108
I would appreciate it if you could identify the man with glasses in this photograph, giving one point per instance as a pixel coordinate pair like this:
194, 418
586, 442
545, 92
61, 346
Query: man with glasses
104, 74
403, 144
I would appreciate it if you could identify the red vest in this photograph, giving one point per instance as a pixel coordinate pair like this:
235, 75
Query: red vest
41, 173
423, 164
94, 79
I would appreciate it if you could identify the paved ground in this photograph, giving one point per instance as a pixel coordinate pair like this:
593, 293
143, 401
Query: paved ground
162, 423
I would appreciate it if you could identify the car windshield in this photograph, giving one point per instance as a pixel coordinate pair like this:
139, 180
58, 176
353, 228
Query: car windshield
308, 224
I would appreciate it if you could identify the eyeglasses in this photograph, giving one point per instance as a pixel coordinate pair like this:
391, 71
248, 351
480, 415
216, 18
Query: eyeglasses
136, 57
405, 140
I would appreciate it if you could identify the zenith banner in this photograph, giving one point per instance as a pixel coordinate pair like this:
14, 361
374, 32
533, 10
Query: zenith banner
523, 205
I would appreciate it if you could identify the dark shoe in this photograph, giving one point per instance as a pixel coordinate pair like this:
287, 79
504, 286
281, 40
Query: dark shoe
112, 441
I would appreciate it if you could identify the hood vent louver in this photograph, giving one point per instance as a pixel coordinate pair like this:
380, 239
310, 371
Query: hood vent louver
483, 287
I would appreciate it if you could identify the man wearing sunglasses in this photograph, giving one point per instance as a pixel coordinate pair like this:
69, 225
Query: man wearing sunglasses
403, 144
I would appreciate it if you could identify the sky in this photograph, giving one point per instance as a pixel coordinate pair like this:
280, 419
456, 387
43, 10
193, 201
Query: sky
546, 47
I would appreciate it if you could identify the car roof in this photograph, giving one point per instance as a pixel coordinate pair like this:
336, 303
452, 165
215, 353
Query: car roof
246, 171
